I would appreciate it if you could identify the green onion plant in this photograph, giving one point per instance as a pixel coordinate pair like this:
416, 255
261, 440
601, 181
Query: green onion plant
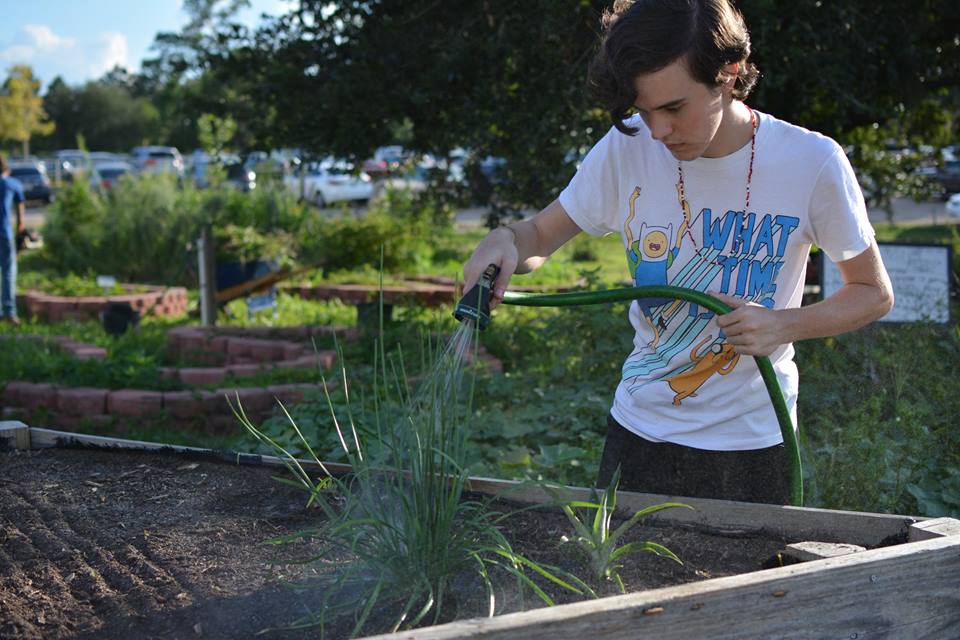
401, 516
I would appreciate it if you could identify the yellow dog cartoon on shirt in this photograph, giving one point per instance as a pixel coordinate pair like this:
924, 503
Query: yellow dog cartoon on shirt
719, 358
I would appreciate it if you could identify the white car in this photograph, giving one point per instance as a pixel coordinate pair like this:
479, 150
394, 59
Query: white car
158, 160
329, 181
953, 206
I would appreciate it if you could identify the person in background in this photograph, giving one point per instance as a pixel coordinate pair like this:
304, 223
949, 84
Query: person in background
11, 223
709, 194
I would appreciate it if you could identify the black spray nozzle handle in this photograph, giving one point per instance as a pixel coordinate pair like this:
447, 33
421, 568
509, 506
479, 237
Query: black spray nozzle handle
475, 303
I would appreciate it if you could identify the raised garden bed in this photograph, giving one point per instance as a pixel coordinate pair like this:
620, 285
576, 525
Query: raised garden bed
125, 543
203, 410
147, 299
239, 352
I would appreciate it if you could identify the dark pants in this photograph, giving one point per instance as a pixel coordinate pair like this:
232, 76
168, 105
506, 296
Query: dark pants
757, 475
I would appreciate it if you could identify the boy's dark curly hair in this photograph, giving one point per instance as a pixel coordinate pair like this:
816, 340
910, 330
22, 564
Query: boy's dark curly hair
644, 36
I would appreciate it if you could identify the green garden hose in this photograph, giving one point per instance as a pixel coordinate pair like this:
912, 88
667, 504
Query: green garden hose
577, 298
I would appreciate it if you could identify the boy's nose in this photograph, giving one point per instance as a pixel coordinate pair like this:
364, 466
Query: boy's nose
660, 127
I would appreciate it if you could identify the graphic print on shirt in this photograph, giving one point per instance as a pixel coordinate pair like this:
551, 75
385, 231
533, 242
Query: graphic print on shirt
649, 259
740, 254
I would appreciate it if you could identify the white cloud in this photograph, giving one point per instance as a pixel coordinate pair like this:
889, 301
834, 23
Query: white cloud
112, 51
51, 54
45, 40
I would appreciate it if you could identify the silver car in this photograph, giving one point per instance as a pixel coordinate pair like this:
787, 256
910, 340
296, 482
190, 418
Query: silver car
157, 160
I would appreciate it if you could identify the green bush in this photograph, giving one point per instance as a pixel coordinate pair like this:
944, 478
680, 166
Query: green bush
344, 243
878, 414
144, 229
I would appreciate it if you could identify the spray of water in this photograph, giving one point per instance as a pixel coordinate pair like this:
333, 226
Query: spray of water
428, 439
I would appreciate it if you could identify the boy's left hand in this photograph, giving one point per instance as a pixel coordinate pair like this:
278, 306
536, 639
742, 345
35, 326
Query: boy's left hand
751, 329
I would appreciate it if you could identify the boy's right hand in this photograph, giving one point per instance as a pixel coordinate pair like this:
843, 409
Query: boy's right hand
497, 248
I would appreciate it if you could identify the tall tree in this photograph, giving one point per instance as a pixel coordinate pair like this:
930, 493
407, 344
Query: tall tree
507, 78
21, 108
103, 111
180, 80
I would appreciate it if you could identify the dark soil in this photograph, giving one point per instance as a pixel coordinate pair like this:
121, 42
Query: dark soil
118, 545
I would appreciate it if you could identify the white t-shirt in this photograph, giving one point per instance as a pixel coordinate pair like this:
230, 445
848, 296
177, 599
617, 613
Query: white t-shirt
682, 383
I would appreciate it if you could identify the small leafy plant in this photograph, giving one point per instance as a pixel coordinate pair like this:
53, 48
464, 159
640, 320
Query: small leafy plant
599, 544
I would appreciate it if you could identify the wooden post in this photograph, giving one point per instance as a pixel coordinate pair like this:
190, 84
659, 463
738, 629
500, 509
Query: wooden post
208, 278
15, 434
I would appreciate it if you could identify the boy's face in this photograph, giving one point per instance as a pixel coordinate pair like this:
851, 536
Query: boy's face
681, 112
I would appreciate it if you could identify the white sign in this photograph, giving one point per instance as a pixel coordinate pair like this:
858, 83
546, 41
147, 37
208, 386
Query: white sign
921, 281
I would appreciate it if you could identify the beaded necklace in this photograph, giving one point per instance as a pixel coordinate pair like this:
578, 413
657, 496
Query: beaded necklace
746, 206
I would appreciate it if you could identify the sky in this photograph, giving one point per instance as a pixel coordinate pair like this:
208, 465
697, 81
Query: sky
81, 40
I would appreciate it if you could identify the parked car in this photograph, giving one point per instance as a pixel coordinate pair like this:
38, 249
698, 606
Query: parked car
949, 176
953, 206
100, 157
105, 174
33, 177
240, 176
329, 181
385, 161
67, 163
158, 160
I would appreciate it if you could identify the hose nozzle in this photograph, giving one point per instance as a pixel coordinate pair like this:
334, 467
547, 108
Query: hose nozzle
475, 304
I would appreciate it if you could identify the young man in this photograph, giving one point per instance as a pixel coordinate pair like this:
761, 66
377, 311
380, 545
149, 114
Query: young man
11, 199
712, 195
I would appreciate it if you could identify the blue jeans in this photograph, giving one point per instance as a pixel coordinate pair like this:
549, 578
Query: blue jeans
8, 277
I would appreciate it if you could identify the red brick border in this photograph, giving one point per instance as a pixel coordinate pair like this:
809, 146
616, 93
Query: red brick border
242, 354
155, 300
208, 411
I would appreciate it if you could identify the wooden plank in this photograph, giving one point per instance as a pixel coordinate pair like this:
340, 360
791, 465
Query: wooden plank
14, 434
242, 289
905, 591
811, 550
934, 528
792, 523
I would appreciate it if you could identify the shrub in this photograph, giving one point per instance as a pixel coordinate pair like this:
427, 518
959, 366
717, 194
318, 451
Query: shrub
878, 414
344, 243
144, 229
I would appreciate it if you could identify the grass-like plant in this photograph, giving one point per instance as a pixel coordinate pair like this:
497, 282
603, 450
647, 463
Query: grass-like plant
401, 516
592, 534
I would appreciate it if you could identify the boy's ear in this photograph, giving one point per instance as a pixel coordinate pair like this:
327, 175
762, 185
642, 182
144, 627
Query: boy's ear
729, 73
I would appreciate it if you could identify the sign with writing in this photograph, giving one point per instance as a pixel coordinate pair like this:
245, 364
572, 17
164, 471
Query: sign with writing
921, 281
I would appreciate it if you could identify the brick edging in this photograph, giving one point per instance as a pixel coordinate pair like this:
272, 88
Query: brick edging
208, 410
156, 300
242, 355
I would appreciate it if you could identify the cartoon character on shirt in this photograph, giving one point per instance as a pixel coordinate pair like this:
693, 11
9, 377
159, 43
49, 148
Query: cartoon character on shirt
650, 258
719, 358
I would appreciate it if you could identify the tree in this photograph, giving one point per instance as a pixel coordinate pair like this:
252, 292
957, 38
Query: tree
21, 108
181, 83
215, 133
507, 78
104, 111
